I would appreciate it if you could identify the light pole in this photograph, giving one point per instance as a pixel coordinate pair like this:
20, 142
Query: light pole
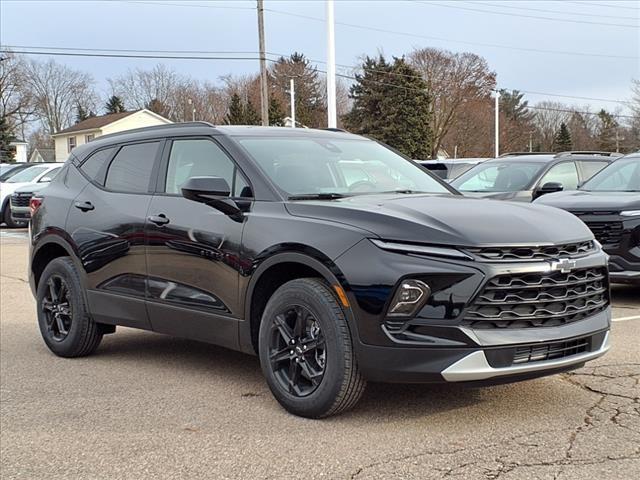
331, 67
292, 97
497, 124
193, 109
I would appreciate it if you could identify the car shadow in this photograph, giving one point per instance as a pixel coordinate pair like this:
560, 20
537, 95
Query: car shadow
385, 402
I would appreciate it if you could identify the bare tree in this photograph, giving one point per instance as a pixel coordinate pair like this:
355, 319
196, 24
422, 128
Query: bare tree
140, 88
15, 101
56, 90
452, 79
549, 116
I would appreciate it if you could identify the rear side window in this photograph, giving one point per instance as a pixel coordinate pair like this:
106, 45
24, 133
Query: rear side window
95, 166
132, 167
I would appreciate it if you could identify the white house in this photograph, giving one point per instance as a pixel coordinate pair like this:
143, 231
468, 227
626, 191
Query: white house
40, 155
85, 131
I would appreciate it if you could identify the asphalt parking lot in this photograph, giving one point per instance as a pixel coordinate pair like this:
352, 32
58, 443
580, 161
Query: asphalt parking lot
152, 406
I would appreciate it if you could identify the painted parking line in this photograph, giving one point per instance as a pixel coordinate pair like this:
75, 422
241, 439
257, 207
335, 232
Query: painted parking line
624, 319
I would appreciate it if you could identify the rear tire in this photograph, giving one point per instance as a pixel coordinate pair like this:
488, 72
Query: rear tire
65, 323
306, 351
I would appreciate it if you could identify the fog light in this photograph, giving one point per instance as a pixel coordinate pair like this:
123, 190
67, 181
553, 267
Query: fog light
409, 297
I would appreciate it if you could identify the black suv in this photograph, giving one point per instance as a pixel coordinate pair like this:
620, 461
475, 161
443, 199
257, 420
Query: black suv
609, 203
272, 241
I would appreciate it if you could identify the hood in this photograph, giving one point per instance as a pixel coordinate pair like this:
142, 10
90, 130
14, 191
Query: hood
448, 219
30, 187
583, 200
6, 189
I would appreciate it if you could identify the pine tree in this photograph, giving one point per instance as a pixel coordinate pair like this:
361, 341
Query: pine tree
391, 103
276, 113
115, 105
251, 116
606, 137
83, 114
6, 137
562, 141
235, 115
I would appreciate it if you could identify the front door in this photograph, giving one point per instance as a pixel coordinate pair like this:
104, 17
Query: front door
193, 249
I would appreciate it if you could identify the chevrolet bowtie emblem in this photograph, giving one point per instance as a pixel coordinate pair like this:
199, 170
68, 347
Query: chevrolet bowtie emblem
564, 265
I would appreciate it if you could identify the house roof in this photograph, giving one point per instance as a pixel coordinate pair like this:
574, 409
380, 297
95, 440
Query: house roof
47, 154
94, 123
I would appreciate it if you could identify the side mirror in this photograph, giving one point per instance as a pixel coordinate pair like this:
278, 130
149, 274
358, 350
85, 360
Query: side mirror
548, 187
212, 191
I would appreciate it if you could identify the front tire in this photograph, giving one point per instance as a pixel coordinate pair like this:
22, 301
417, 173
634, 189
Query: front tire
6, 217
65, 323
306, 351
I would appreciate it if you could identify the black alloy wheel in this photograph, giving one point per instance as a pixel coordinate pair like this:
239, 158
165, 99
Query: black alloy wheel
57, 309
297, 351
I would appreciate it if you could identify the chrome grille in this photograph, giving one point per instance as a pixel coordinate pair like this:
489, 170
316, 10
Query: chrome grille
21, 200
525, 300
547, 252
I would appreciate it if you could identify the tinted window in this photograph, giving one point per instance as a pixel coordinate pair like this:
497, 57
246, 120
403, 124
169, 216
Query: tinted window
621, 176
589, 169
130, 170
503, 176
312, 165
202, 158
96, 165
564, 173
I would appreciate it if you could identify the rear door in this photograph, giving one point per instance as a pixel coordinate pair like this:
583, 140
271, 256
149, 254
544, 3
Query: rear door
193, 249
106, 222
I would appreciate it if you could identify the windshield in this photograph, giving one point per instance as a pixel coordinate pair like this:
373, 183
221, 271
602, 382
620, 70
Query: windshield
507, 176
316, 166
28, 174
621, 176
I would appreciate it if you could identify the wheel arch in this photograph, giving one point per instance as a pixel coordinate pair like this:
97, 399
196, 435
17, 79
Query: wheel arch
275, 270
47, 249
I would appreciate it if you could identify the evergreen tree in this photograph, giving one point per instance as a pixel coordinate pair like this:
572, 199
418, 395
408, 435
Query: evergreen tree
235, 115
115, 105
310, 105
514, 106
276, 113
83, 114
606, 137
562, 141
6, 137
391, 103
251, 116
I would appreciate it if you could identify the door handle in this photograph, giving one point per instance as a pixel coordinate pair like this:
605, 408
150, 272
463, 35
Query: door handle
84, 206
159, 220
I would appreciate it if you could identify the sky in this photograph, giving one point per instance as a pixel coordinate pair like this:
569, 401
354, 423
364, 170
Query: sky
521, 40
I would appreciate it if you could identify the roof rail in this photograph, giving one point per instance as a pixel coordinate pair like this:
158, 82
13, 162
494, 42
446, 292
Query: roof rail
589, 152
518, 154
158, 127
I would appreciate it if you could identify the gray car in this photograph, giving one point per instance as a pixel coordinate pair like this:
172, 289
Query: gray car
524, 178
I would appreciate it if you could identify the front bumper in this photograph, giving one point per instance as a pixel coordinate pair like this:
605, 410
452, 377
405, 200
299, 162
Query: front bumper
439, 344
20, 214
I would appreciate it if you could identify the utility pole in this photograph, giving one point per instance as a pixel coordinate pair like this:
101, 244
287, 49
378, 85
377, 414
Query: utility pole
530, 142
292, 97
193, 109
618, 139
497, 127
264, 93
331, 67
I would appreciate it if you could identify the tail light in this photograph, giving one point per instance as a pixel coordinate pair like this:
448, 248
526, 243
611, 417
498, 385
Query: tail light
34, 204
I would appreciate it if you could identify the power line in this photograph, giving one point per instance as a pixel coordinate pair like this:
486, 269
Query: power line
128, 50
191, 5
587, 22
442, 39
582, 4
578, 14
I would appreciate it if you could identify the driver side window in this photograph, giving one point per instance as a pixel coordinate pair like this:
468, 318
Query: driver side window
202, 158
564, 173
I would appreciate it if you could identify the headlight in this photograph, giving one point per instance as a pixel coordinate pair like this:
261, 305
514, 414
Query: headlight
421, 249
409, 298
631, 213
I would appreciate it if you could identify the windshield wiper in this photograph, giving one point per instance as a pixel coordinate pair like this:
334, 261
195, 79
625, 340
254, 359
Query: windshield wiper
402, 190
317, 196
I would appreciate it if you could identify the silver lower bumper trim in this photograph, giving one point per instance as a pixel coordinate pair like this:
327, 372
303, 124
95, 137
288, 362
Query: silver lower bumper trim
476, 367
